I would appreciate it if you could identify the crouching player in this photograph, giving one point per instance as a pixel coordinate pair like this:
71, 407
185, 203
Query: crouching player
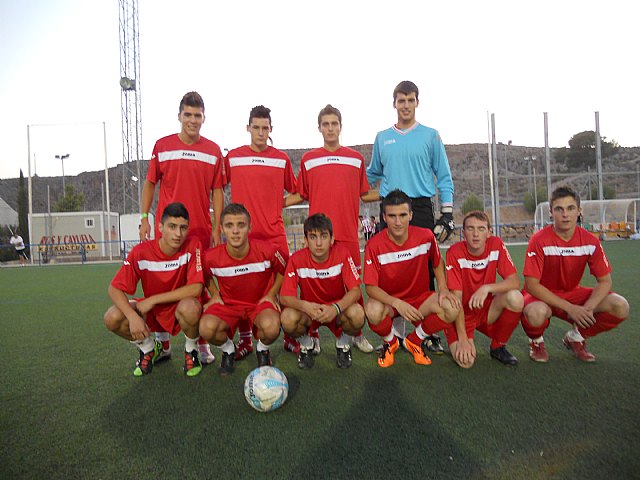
329, 292
490, 307
556, 258
249, 276
170, 270
396, 278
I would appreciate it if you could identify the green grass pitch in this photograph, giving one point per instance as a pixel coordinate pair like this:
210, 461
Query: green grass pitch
71, 408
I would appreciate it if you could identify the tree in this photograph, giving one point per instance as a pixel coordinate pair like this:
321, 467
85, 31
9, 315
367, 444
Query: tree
23, 209
472, 202
582, 150
530, 203
71, 202
608, 192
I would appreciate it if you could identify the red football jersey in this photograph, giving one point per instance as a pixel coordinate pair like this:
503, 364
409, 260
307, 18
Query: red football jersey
333, 183
244, 282
187, 174
401, 270
323, 283
258, 181
559, 265
468, 272
158, 272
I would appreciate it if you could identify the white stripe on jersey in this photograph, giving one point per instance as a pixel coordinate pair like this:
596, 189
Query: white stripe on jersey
318, 162
238, 270
410, 254
257, 162
330, 272
164, 266
187, 155
578, 251
479, 264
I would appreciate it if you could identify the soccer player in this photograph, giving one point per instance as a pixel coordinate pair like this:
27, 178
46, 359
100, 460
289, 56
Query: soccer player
18, 243
408, 156
333, 179
189, 169
248, 273
170, 270
396, 278
489, 306
556, 259
259, 174
329, 285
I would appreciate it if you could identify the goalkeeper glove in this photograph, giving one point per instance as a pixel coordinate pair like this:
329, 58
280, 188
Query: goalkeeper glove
445, 224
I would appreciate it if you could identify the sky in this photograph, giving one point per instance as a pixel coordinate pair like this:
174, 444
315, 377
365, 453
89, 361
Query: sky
61, 69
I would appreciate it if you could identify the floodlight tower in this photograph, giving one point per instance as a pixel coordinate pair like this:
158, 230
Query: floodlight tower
130, 105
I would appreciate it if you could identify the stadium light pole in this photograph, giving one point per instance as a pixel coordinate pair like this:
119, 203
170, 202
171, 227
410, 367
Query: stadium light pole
61, 158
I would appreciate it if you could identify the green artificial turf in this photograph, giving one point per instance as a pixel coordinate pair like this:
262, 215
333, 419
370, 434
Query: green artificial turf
71, 408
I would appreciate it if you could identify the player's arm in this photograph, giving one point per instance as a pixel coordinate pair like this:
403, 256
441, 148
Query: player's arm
332, 310
582, 316
192, 290
293, 199
403, 308
270, 296
218, 205
137, 325
511, 282
466, 350
600, 291
443, 290
214, 293
371, 196
146, 200
310, 308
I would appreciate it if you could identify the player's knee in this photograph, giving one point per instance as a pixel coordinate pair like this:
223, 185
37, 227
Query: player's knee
289, 319
113, 319
619, 306
449, 312
208, 327
355, 317
374, 311
536, 313
189, 310
514, 300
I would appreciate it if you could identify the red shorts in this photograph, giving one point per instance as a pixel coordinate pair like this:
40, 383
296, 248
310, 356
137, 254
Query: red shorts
577, 296
476, 319
415, 303
233, 314
162, 318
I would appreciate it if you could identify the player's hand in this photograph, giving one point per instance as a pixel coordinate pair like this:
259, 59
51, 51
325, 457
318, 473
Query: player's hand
217, 299
145, 305
216, 237
409, 312
272, 300
138, 327
327, 314
479, 296
145, 229
446, 294
466, 352
581, 316
312, 309
445, 225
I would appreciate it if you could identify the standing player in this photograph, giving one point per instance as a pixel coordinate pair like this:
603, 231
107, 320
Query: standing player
333, 179
171, 274
556, 258
189, 169
259, 174
408, 156
396, 278
21, 250
489, 306
249, 275
329, 292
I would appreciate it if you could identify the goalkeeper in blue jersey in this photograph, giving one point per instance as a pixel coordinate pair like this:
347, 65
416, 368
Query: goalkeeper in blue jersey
411, 157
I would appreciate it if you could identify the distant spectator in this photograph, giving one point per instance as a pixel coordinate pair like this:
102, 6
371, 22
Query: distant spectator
21, 250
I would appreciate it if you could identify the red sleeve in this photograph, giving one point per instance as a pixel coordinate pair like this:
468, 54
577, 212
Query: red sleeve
303, 185
126, 279
434, 255
277, 261
350, 276
290, 283
194, 270
153, 172
534, 259
364, 183
599, 263
371, 267
505, 263
218, 172
454, 272
227, 171
290, 182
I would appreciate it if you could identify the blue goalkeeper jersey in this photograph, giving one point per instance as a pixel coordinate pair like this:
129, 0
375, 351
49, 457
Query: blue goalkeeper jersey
409, 160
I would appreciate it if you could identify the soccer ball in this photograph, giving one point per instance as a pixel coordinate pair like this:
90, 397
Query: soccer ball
266, 388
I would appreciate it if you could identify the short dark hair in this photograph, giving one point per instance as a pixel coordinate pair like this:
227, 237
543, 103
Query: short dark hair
191, 99
477, 214
260, 111
406, 87
177, 210
235, 209
396, 197
330, 110
318, 222
564, 191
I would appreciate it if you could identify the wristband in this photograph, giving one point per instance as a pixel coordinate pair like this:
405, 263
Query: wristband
144, 215
337, 308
